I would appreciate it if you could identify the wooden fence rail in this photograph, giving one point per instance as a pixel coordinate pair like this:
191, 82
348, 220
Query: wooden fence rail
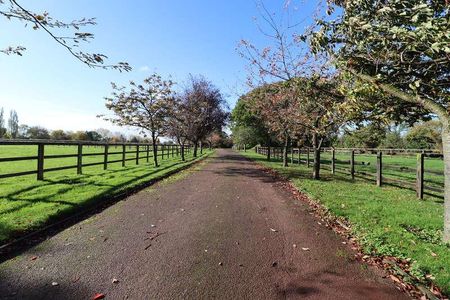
420, 184
141, 151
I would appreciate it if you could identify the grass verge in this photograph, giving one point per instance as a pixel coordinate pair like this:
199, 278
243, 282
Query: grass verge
27, 204
387, 221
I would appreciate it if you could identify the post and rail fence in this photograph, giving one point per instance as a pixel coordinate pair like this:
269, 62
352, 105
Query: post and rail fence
372, 164
138, 152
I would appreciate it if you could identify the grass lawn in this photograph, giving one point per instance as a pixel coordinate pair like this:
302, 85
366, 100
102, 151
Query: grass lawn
27, 204
386, 221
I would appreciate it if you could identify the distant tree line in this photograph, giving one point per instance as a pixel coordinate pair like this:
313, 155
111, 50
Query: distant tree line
10, 129
422, 135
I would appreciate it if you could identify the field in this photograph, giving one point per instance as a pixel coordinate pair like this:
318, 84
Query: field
398, 170
27, 204
386, 221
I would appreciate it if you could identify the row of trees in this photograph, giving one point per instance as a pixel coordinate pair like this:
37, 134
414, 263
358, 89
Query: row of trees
195, 114
10, 128
364, 63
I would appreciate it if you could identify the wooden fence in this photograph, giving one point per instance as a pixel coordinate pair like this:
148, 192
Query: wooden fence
369, 164
139, 151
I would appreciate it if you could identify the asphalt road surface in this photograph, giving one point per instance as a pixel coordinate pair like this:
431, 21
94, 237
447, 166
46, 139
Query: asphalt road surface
224, 230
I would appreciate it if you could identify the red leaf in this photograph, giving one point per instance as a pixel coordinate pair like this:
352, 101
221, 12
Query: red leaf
98, 296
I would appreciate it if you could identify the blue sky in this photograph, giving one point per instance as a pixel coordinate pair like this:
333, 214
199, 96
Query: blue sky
48, 87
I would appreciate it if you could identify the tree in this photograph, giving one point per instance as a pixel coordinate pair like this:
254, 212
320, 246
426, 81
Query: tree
38, 133
245, 136
12, 10
425, 136
13, 124
94, 136
146, 106
401, 48
79, 136
2, 123
277, 106
105, 134
370, 136
23, 131
177, 124
307, 95
242, 117
203, 108
59, 135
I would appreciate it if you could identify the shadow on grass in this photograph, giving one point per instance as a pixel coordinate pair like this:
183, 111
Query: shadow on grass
341, 175
76, 212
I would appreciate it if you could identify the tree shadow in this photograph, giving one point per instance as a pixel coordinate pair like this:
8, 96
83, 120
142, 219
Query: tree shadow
342, 175
73, 213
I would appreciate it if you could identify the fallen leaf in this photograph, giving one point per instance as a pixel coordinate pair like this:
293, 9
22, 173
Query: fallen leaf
295, 246
274, 264
395, 278
115, 280
433, 254
98, 296
54, 283
273, 230
34, 257
305, 249
221, 264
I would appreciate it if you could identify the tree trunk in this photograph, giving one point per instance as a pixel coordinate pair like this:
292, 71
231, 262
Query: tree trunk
446, 152
285, 151
155, 150
201, 147
195, 149
182, 152
316, 167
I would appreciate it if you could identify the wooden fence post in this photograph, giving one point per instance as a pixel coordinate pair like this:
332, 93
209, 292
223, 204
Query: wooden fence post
380, 168
162, 152
105, 158
268, 153
292, 155
148, 152
137, 154
80, 159
333, 161
420, 173
124, 149
307, 157
352, 164
299, 155
173, 151
40, 162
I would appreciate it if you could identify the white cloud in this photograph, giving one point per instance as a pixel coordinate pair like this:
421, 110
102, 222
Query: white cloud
144, 69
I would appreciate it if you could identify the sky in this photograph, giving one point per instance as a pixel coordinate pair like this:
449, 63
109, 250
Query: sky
48, 87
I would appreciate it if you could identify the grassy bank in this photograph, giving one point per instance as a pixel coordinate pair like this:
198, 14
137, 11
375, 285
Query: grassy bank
27, 204
387, 221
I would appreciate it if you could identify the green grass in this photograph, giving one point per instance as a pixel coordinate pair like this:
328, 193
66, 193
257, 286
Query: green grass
27, 204
386, 221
